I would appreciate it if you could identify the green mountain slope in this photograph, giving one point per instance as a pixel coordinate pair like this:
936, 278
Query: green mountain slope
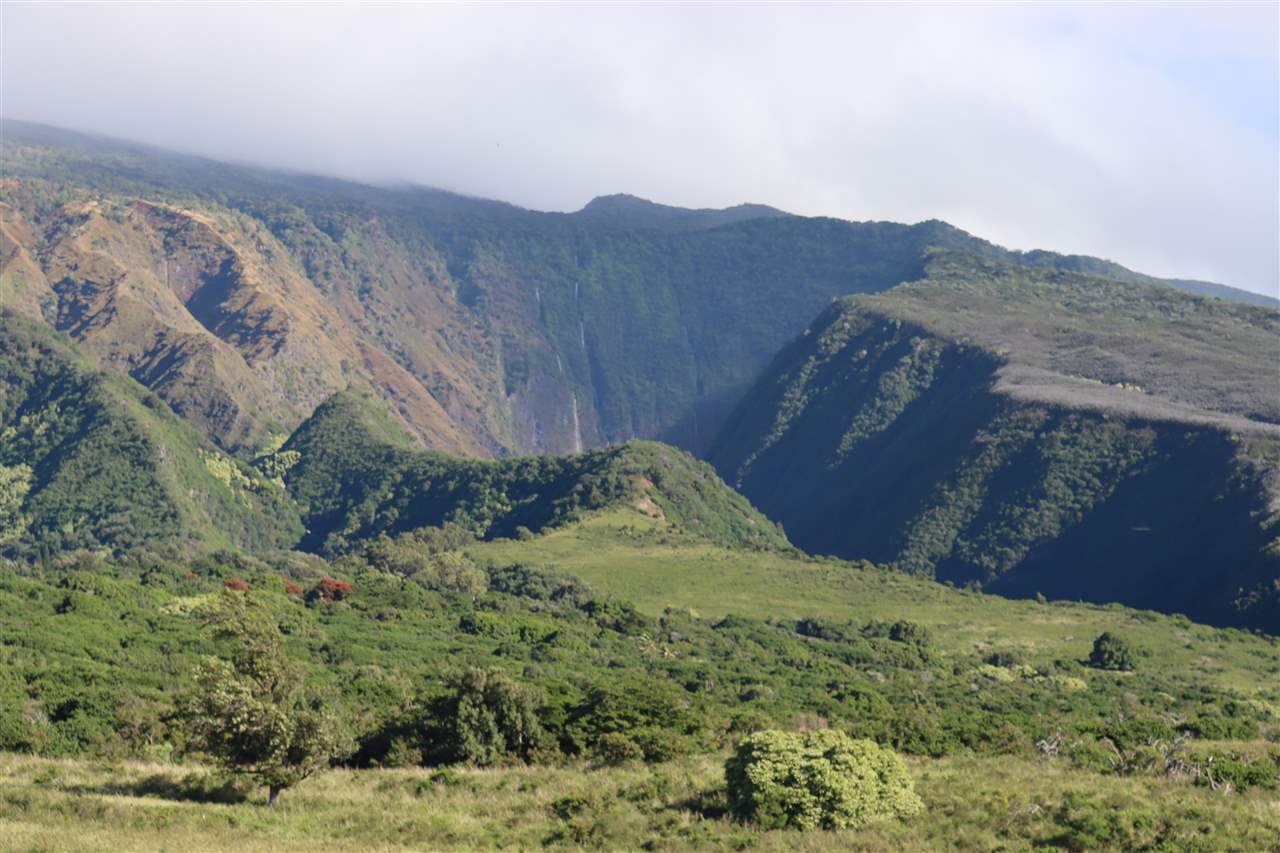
90, 459
1033, 432
355, 476
489, 329
93, 460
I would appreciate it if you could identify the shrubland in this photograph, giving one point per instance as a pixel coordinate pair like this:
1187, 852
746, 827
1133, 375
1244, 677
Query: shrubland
356, 477
531, 665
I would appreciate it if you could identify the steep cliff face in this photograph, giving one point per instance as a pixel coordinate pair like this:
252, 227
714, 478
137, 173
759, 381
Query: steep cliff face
203, 307
945, 442
244, 297
550, 332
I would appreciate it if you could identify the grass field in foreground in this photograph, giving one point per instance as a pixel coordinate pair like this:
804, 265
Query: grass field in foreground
971, 803
629, 555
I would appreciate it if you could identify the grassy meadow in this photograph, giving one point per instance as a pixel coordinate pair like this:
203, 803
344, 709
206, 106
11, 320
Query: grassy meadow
972, 803
634, 557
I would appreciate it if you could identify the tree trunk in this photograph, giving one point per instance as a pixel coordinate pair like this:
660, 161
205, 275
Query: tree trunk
273, 794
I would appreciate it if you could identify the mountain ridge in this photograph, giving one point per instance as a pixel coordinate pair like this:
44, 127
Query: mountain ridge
490, 329
247, 299
894, 429
355, 477
52, 135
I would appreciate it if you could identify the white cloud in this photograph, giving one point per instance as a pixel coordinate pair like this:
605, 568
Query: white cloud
1102, 130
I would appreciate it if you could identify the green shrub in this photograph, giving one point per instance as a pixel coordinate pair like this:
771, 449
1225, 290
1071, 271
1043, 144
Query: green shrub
616, 748
654, 714
660, 744
1138, 731
1088, 822
1111, 652
18, 732
1006, 658
585, 821
816, 779
402, 753
1240, 773
1213, 727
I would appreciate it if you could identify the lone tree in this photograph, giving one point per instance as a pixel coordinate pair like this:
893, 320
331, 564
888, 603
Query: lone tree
813, 779
252, 713
1111, 652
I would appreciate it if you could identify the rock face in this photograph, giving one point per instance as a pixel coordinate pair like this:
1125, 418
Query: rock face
1029, 421
486, 339
204, 308
245, 297
906, 427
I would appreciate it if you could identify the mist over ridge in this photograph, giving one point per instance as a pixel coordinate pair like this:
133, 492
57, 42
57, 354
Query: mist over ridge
1144, 135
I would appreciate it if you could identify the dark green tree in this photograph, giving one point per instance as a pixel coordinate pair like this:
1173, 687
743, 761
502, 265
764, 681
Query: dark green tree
1111, 652
487, 717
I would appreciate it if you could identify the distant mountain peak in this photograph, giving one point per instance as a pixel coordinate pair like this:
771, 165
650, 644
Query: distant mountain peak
622, 201
633, 211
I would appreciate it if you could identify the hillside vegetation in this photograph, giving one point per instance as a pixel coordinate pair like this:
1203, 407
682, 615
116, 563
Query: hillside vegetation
354, 477
263, 505
983, 694
92, 460
1030, 432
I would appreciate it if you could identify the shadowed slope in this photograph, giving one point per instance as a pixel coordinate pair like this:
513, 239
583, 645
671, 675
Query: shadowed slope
1032, 432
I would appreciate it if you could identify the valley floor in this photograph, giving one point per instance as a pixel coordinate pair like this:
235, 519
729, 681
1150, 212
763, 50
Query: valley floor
971, 803
625, 554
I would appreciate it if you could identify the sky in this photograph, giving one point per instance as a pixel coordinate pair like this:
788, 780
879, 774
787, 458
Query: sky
1146, 134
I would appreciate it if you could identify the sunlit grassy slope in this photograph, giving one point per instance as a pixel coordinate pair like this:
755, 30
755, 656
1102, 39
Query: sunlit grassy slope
970, 803
630, 555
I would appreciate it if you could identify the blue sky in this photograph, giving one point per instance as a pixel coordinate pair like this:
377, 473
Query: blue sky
1143, 133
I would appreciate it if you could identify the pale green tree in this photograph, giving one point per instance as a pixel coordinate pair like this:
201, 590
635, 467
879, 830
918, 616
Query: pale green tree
251, 712
15, 482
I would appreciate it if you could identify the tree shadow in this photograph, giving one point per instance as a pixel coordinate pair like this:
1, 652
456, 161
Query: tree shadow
199, 787
709, 803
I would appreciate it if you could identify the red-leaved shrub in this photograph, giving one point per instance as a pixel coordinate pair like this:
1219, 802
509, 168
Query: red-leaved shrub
332, 589
236, 584
292, 588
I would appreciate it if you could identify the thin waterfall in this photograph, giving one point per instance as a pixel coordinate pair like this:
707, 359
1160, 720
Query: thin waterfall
577, 427
582, 336
560, 364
